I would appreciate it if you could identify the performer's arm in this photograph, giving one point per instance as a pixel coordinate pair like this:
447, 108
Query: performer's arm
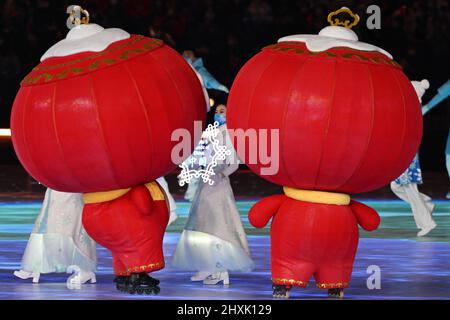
211, 82
367, 217
260, 214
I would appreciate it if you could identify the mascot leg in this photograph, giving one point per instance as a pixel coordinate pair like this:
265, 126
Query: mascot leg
120, 280
132, 227
334, 277
289, 271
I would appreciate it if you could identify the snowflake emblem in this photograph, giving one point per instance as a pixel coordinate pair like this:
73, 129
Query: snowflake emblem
219, 152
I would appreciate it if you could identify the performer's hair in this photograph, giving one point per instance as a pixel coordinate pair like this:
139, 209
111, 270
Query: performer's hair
218, 96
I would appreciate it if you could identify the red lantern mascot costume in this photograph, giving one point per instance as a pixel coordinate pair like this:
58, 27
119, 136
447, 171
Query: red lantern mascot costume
349, 121
96, 116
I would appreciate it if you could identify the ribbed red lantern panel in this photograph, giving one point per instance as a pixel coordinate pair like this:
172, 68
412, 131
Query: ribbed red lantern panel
94, 122
349, 121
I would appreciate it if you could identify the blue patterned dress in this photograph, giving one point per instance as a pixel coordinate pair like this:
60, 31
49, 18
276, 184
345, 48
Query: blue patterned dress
412, 175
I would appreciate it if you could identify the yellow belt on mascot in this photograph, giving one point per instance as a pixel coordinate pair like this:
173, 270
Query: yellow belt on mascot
104, 196
324, 197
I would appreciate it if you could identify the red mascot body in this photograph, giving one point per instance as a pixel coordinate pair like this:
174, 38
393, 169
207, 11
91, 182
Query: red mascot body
96, 116
349, 121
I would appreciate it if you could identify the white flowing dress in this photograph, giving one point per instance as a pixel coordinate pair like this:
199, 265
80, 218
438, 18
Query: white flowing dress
58, 239
214, 239
171, 201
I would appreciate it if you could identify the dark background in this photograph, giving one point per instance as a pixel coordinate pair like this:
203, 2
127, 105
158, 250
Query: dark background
226, 33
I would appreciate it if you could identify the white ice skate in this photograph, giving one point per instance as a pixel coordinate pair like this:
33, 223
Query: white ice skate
426, 230
79, 277
22, 274
201, 275
217, 277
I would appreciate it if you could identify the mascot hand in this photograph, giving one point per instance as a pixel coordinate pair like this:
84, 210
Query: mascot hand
260, 214
367, 217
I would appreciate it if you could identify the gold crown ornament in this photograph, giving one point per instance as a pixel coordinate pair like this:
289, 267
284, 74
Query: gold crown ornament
335, 18
77, 16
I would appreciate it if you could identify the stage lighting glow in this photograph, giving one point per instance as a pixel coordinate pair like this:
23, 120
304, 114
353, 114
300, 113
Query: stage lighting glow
5, 132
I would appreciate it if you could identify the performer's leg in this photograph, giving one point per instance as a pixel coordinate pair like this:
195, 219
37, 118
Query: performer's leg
399, 191
426, 199
421, 212
420, 205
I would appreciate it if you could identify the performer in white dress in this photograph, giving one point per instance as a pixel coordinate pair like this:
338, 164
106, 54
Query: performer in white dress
191, 189
193, 185
58, 242
208, 82
405, 187
213, 241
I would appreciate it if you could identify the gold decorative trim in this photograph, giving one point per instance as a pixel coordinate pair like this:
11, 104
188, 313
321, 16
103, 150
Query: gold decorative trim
323, 197
358, 55
91, 57
332, 285
143, 268
291, 282
35, 76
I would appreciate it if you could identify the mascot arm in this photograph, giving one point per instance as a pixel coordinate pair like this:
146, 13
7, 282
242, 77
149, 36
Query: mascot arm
260, 214
367, 217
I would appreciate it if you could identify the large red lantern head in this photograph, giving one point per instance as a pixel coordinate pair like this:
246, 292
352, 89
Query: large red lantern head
98, 112
349, 119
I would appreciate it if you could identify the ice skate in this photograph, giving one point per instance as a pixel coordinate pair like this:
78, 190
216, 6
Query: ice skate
426, 230
121, 282
217, 277
141, 283
200, 276
22, 274
336, 293
79, 277
281, 291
